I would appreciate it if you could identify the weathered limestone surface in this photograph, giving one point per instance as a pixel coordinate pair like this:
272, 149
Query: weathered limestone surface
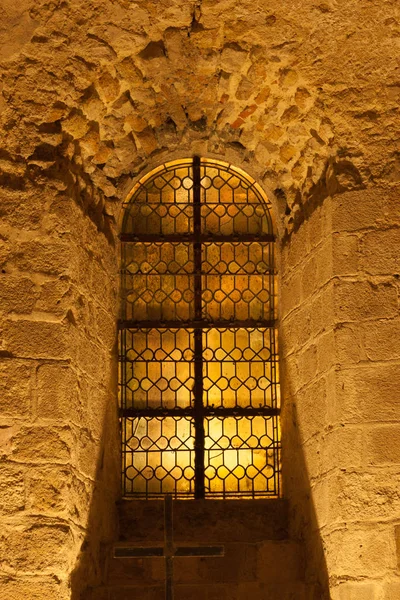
58, 458
340, 319
305, 93
304, 96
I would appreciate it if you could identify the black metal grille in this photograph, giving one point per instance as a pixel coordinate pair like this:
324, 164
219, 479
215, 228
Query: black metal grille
198, 359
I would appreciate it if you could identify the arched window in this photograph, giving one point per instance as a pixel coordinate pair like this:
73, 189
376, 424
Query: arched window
198, 356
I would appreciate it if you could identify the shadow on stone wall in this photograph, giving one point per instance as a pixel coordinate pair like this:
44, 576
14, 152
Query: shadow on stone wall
303, 522
101, 528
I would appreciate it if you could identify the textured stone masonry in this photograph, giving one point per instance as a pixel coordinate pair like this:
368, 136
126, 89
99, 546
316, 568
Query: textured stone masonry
304, 97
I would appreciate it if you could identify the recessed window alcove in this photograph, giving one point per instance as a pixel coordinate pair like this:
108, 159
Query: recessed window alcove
199, 383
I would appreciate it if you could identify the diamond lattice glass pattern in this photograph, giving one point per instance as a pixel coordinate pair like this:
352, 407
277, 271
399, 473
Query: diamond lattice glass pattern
199, 377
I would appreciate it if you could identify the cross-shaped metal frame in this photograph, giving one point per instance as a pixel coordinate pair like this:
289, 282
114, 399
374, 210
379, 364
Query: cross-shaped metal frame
169, 551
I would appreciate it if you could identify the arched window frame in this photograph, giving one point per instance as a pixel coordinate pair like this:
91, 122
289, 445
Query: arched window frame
197, 236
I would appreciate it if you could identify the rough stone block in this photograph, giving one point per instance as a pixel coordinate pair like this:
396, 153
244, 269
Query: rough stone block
345, 257
312, 409
280, 562
391, 206
358, 301
81, 499
42, 444
104, 285
380, 252
33, 588
349, 348
298, 246
356, 590
7, 434
312, 455
397, 540
295, 331
37, 548
310, 277
55, 296
57, 393
238, 564
342, 447
325, 345
232, 59
49, 490
105, 328
291, 292
284, 265
17, 294
15, 387
307, 360
360, 552
21, 209
382, 444
12, 489
319, 490
93, 360
391, 590
367, 393
374, 495
316, 230
317, 269
52, 258
89, 454
356, 210
100, 408
321, 310
290, 374
37, 339
381, 340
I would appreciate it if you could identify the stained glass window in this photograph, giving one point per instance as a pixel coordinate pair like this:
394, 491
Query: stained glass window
199, 384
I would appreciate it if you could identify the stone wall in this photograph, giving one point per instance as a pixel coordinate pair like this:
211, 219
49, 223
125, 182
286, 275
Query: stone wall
304, 96
340, 318
59, 439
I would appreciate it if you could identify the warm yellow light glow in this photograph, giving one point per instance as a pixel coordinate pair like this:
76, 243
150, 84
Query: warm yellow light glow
239, 362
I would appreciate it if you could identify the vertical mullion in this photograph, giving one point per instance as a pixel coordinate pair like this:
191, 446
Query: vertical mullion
198, 336
169, 549
122, 368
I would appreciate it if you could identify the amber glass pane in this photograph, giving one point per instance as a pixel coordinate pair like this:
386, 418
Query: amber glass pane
158, 281
198, 349
158, 456
158, 368
239, 368
241, 456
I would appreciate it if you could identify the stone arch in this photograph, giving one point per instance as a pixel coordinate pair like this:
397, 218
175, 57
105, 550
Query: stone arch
234, 157
127, 100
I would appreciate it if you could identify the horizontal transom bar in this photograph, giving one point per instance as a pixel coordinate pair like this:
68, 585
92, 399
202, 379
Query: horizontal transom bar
196, 324
138, 552
190, 237
207, 411
148, 552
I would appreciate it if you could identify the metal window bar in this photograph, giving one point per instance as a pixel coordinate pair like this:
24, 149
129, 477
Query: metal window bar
153, 426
